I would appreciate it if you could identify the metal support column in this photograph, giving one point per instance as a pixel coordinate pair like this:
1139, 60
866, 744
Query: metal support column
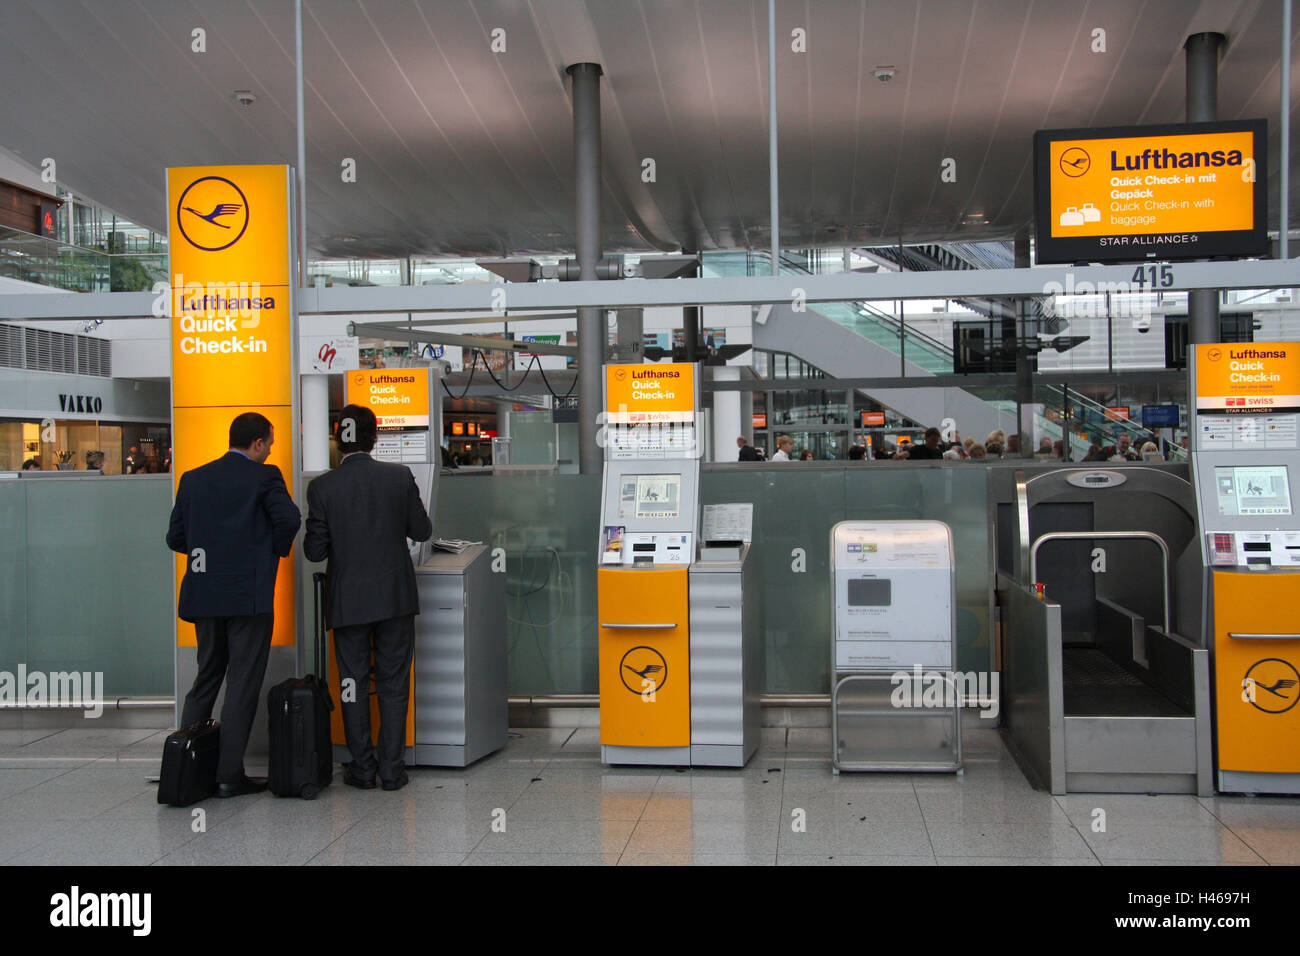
773, 192
302, 150
1284, 122
587, 225
1203, 106
1024, 364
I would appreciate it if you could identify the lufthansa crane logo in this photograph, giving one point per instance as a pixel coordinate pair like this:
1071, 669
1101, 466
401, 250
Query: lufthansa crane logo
1075, 162
643, 669
212, 213
1271, 685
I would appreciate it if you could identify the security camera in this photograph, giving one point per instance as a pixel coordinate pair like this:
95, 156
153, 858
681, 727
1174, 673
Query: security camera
245, 97
884, 73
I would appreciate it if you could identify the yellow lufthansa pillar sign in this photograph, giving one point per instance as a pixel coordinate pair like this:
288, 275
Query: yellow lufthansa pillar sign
232, 326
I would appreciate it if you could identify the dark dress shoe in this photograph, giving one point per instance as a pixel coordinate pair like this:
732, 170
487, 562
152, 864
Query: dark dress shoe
401, 781
245, 786
359, 782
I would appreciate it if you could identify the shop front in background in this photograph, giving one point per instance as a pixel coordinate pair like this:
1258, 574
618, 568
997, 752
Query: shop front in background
115, 448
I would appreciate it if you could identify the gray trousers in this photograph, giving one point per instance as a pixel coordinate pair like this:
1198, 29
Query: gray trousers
233, 649
393, 645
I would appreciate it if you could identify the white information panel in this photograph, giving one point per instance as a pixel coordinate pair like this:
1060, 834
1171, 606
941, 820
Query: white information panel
893, 584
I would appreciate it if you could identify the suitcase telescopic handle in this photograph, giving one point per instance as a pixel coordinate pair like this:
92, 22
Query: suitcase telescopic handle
322, 653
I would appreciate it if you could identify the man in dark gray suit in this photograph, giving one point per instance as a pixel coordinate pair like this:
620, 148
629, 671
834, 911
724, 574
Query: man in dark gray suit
358, 518
233, 520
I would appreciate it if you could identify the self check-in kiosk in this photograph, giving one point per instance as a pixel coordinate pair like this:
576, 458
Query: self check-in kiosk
459, 707
678, 650
1245, 465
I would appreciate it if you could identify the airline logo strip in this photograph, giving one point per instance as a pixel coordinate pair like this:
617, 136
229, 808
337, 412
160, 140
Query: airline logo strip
231, 326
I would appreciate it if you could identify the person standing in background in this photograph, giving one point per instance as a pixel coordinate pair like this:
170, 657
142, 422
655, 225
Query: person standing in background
784, 445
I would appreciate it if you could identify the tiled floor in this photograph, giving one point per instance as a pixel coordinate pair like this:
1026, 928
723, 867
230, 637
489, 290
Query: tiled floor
83, 797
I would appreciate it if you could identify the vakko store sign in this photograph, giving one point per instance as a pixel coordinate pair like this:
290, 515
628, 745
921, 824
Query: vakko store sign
1125, 194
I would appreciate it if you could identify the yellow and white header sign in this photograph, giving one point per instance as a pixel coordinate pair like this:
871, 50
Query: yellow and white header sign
650, 393
399, 397
1161, 192
233, 326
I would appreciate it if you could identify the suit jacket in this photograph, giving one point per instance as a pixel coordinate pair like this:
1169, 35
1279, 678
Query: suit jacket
358, 518
241, 515
748, 453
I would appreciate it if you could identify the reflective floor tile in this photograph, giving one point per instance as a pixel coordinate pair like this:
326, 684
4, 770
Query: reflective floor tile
42, 803
1276, 846
493, 858
1133, 809
110, 843
689, 858
559, 836
334, 855
855, 837
898, 806
537, 806
973, 806
1016, 861
703, 836
848, 859
1149, 841
1007, 840
686, 806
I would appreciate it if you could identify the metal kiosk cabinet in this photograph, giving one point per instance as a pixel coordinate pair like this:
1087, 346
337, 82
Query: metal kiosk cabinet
894, 701
459, 706
1246, 450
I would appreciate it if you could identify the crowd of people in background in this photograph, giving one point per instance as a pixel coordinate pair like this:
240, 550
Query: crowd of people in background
932, 447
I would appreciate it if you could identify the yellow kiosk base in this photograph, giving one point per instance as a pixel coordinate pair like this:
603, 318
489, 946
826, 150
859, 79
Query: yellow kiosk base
645, 672
1257, 680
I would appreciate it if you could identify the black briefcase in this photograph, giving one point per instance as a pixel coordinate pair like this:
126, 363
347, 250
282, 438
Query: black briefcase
302, 754
189, 764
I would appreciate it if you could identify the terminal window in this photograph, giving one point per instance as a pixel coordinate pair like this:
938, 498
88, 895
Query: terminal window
1253, 491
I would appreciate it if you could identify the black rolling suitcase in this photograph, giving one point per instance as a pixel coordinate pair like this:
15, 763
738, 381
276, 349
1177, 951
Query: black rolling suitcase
189, 764
302, 754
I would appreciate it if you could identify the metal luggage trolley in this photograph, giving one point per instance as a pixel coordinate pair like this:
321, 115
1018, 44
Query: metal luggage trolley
895, 703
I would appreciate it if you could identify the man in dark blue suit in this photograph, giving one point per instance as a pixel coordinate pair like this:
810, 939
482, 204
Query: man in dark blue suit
234, 521
358, 518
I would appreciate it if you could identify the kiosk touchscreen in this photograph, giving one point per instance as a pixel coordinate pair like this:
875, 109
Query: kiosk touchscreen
1245, 465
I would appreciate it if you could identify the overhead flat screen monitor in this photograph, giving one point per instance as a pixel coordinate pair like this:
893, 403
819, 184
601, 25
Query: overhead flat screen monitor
657, 496
1252, 490
1159, 416
1132, 193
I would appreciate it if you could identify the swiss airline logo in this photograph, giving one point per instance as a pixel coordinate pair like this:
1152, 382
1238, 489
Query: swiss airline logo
212, 213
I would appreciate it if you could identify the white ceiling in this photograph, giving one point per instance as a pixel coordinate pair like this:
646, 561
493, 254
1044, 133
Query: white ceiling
463, 151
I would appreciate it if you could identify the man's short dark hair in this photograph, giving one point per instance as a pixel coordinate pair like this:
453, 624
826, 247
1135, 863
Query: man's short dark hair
363, 431
248, 428
857, 452
933, 431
